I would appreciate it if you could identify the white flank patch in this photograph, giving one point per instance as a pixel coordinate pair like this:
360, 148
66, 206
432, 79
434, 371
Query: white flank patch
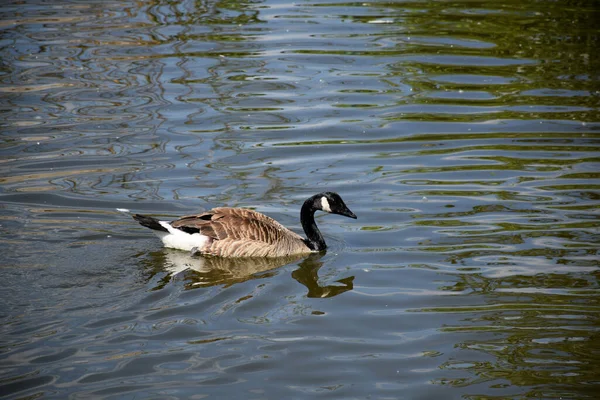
325, 204
123, 210
180, 240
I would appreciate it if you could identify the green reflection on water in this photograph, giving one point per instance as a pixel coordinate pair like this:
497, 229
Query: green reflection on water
539, 330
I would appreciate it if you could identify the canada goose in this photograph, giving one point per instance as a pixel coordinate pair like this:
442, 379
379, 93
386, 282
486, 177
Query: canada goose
239, 232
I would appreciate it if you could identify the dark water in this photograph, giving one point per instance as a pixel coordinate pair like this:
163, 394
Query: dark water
464, 135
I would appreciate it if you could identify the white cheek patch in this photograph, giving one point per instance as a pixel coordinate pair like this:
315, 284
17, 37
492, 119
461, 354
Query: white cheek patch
325, 204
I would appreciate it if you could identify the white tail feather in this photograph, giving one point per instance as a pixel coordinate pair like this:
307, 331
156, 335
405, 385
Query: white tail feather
178, 239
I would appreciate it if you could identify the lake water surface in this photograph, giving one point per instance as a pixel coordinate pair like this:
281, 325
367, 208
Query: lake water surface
465, 136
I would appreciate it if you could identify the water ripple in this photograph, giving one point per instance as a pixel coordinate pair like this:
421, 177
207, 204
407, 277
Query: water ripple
463, 135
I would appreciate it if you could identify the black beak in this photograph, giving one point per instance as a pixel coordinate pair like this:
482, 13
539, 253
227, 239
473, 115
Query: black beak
347, 213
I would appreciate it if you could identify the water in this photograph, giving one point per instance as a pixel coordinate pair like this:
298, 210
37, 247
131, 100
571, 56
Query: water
464, 135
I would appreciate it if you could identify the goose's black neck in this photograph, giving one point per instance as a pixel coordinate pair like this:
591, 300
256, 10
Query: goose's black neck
307, 217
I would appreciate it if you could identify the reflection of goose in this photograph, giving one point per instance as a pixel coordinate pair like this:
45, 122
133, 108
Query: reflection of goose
308, 275
239, 232
208, 271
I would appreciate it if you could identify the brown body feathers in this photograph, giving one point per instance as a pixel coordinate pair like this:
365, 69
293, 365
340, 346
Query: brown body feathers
239, 232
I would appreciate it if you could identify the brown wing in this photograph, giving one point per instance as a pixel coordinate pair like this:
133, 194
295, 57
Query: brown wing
239, 232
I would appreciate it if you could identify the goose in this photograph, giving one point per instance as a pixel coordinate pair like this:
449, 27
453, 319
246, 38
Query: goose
240, 232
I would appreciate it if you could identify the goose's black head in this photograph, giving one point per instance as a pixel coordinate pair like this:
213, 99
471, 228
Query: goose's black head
331, 202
